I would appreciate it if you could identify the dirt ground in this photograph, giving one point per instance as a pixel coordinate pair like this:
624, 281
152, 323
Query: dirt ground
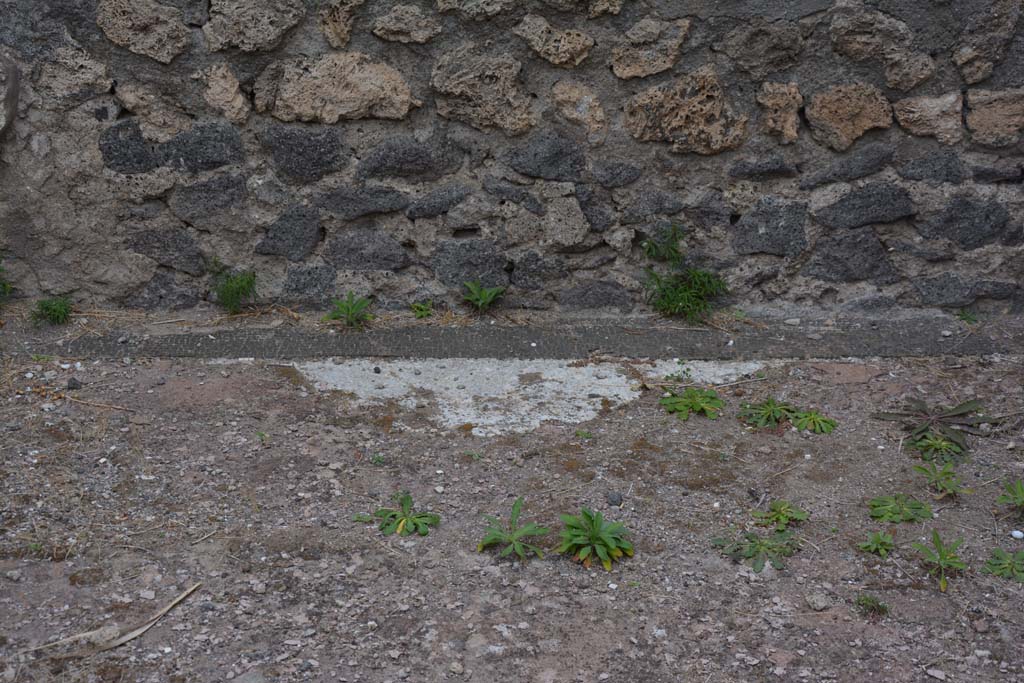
244, 479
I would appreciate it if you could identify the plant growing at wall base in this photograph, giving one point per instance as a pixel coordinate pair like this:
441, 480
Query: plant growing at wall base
878, 543
759, 550
813, 421
767, 414
588, 537
688, 294
512, 535
56, 311
480, 297
664, 248
233, 290
780, 514
422, 309
1014, 496
899, 508
941, 558
693, 400
402, 520
352, 310
5, 287
1006, 565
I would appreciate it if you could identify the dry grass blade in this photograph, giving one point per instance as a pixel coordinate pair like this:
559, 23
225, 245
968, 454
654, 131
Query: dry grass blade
107, 638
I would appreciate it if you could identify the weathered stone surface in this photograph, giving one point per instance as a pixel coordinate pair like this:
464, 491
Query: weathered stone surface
406, 24
304, 154
781, 103
438, 202
163, 292
950, 289
995, 117
72, 75
937, 167
350, 203
548, 155
502, 189
651, 46
203, 203
872, 203
309, 284
841, 114
766, 167
340, 85
773, 226
251, 25
596, 294
970, 221
159, 119
692, 113
862, 161
482, 91
144, 27
579, 104
650, 203
762, 47
985, 39
336, 17
851, 256
125, 151
596, 207
939, 117
406, 157
594, 8
366, 249
861, 34
532, 271
996, 170
204, 148
564, 224
613, 174
476, 9
224, 94
560, 47
171, 247
294, 235
458, 261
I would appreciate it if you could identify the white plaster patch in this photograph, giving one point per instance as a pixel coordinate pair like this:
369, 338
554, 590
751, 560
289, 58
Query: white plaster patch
506, 395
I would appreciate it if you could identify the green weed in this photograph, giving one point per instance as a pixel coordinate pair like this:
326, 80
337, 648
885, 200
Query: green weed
665, 248
588, 536
692, 400
583, 434
921, 420
899, 508
878, 543
56, 311
512, 536
937, 447
767, 414
422, 309
871, 606
941, 558
688, 294
943, 481
402, 520
1014, 496
759, 549
780, 514
1006, 565
967, 316
352, 310
813, 421
480, 297
235, 290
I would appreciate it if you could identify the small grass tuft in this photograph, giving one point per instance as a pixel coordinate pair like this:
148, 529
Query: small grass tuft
512, 536
233, 290
56, 311
870, 606
941, 558
422, 309
402, 520
688, 294
878, 543
480, 297
1014, 496
899, 508
353, 310
780, 514
1006, 565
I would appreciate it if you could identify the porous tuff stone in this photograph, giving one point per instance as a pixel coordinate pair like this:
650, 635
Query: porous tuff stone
841, 114
781, 103
336, 18
938, 117
851, 256
144, 27
481, 90
762, 47
651, 46
560, 47
407, 24
862, 161
692, 113
985, 39
995, 117
456, 262
862, 34
365, 248
251, 25
596, 294
438, 202
340, 85
548, 155
406, 157
349, 203
171, 247
970, 221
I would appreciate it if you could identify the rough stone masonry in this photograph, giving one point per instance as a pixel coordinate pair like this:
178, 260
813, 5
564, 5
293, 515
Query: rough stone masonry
856, 155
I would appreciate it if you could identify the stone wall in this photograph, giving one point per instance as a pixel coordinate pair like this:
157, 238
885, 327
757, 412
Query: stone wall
839, 153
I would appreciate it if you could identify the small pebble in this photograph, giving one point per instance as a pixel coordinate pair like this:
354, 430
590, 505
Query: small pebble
1018, 534
792, 321
947, 333
614, 499
439, 489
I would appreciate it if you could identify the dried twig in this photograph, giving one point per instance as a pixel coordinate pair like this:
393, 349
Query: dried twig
99, 405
